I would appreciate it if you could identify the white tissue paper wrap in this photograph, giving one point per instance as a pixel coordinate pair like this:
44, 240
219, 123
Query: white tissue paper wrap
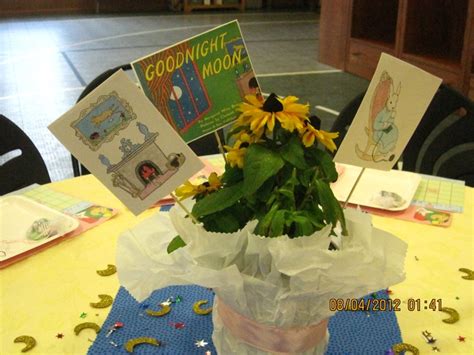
280, 281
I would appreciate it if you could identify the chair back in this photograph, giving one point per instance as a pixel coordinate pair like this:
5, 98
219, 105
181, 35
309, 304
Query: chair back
21, 163
443, 142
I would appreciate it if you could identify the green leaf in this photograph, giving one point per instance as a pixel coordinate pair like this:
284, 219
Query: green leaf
293, 153
176, 243
324, 160
278, 223
222, 222
331, 207
218, 200
260, 164
232, 175
264, 223
303, 226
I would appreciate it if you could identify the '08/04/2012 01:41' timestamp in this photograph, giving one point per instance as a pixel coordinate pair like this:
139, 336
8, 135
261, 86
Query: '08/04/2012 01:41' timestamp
384, 304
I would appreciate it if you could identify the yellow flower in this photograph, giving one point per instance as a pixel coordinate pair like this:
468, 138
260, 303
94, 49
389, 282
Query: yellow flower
326, 138
189, 190
235, 155
262, 116
213, 184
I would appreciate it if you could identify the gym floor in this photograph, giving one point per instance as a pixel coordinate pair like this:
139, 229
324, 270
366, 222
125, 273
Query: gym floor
46, 62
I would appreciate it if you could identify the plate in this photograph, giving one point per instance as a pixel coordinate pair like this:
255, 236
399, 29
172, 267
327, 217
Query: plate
391, 190
17, 215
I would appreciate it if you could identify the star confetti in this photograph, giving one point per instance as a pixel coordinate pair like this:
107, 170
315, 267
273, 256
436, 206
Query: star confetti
435, 349
178, 325
462, 339
179, 299
60, 335
83, 315
201, 343
389, 352
388, 291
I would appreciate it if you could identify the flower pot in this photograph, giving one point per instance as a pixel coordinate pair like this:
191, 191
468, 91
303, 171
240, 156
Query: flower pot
272, 294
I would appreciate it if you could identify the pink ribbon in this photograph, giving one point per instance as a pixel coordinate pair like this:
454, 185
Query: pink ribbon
269, 338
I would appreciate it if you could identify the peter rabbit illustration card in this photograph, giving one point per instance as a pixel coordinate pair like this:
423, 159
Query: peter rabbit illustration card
392, 108
119, 135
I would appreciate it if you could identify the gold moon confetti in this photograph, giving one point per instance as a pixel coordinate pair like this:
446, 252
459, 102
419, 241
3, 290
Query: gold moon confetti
198, 310
111, 269
165, 309
400, 347
454, 315
105, 301
130, 344
29, 341
78, 328
469, 273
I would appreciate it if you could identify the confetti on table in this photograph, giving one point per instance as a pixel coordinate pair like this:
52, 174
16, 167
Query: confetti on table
83, 315
461, 339
30, 342
60, 335
201, 343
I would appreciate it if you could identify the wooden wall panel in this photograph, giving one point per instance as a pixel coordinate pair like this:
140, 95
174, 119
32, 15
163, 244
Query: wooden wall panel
45, 7
334, 31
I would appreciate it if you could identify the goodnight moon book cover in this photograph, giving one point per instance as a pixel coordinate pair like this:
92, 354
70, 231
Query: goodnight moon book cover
197, 83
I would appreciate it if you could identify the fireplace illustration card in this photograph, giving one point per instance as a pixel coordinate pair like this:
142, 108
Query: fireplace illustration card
123, 140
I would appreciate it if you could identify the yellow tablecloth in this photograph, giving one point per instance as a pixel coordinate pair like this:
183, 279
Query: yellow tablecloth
45, 295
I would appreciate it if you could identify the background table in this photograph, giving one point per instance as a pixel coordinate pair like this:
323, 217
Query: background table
45, 295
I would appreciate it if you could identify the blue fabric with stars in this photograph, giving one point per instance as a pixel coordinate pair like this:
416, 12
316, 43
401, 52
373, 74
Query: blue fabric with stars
350, 332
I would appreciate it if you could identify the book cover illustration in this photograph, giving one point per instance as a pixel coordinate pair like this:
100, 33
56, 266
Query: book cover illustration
197, 83
126, 143
396, 100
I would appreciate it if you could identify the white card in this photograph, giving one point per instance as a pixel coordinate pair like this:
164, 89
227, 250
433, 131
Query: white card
121, 138
392, 108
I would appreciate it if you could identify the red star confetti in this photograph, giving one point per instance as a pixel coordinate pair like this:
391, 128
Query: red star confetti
178, 325
462, 339
60, 335
201, 343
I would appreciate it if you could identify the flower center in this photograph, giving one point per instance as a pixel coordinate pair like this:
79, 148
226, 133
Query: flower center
272, 104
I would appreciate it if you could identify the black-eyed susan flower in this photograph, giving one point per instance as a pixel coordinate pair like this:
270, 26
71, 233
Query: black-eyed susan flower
190, 190
236, 154
262, 116
325, 138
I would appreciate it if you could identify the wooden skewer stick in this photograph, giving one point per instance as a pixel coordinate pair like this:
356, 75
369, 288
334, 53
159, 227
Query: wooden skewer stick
353, 188
188, 213
220, 146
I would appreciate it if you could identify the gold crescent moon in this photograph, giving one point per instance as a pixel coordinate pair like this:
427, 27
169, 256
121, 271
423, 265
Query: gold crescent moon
111, 269
198, 310
165, 309
105, 301
454, 315
29, 341
78, 328
400, 347
469, 273
130, 344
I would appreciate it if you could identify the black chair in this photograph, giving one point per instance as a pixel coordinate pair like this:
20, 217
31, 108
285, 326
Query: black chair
203, 146
345, 117
25, 166
442, 144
